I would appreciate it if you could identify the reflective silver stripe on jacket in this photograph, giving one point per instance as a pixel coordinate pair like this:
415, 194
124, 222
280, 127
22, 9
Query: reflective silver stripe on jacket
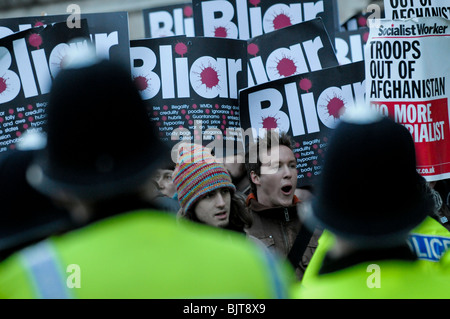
279, 289
45, 271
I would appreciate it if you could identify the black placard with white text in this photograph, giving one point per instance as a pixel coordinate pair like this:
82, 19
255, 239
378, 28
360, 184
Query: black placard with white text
109, 32
297, 49
245, 19
191, 84
29, 60
167, 21
350, 45
306, 106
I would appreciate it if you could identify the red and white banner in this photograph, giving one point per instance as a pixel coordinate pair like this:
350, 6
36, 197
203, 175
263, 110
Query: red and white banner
408, 79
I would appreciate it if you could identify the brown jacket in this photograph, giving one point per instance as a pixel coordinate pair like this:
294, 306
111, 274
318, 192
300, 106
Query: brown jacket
277, 228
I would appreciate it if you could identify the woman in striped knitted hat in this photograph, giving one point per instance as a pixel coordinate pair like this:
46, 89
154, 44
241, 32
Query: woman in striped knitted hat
205, 191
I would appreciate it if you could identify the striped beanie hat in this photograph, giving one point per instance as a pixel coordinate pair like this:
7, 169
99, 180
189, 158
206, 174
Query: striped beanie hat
197, 173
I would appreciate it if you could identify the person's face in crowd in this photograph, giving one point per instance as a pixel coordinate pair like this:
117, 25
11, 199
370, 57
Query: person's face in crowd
235, 165
278, 179
163, 179
214, 208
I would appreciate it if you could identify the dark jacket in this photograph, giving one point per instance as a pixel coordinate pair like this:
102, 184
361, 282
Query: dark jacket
277, 228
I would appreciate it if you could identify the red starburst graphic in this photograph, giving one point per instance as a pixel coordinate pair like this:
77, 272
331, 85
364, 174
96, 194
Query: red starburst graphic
141, 82
187, 11
220, 32
38, 24
3, 85
209, 77
281, 20
362, 21
286, 67
255, 2
57, 59
335, 107
181, 48
365, 36
305, 84
269, 122
35, 40
252, 49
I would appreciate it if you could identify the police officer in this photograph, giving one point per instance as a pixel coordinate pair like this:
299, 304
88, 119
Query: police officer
101, 152
369, 198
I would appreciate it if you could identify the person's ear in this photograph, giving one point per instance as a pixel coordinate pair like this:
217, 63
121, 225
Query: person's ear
255, 178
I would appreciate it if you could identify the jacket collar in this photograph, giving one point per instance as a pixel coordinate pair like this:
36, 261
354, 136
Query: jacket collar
277, 213
253, 203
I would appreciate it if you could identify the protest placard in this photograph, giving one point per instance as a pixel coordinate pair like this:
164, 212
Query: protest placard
296, 49
29, 60
408, 80
356, 22
242, 19
405, 9
306, 106
191, 85
350, 45
109, 31
167, 21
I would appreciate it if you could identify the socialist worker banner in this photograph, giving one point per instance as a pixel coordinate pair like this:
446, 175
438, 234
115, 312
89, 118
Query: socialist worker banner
407, 73
406, 9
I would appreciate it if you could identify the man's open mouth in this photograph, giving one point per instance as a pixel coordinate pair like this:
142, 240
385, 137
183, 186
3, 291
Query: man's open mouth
286, 189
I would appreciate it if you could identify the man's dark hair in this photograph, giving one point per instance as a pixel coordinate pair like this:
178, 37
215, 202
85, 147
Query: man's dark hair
266, 142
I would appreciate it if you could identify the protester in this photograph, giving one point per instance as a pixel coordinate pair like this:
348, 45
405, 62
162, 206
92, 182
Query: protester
206, 192
235, 165
440, 190
101, 151
164, 181
152, 193
370, 197
233, 159
161, 190
272, 172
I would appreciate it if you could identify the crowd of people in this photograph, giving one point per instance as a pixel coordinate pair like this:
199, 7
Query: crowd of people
99, 213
